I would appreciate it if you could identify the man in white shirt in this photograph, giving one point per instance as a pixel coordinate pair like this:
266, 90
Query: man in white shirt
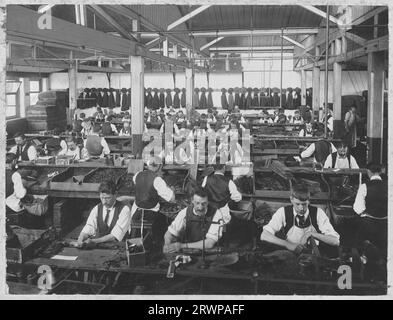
307, 131
13, 201
71, 149
320, 150
198, 223
341, 159
24, 151
96, 146
371, 205
292, 226
109, 220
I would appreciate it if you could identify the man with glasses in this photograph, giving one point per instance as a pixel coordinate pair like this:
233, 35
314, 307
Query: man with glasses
292, 226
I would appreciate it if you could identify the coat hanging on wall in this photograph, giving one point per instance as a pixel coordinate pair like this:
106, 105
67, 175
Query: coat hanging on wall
290, 99
99, 97
298, 98
93, 95
149, 100
231, 100
145, 97
80, 101
183, 99
255, 100
112, 102
117, 98
105, 98
284, 98
176, 99
237, 96
195, 98
156, 100
249, 98
242, 103
124, 106
269, 98
210, 103
276, 97
262, 98
224, 101
129, 98
203, 99
161, 98
168, 98
309, 97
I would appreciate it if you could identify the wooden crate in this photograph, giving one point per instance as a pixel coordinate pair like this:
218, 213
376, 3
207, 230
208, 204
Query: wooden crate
66, 215
64, 182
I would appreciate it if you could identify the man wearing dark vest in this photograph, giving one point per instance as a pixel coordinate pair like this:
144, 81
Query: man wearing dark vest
341, 159
108, 128
319, 149
23, 150
307, 131
109, 220
292, 226
149, 187
194, 224
371, 205
94, 145
221, 190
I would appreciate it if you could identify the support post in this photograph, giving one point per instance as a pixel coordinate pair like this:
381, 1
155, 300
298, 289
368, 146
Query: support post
338, 126
189, 91
137, 104
24, 96
375, 105
303, 87
73, 95
316, 75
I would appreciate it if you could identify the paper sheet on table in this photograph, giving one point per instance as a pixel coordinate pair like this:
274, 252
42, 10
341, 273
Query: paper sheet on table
68, 258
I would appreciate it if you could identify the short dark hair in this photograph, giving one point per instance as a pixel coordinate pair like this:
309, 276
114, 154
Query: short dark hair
342, 144
19, 135
374, 167
300, 192
200, 192
82, 115
219, 166
107, 186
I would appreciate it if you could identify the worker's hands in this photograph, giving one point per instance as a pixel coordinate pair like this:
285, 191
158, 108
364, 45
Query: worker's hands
172, 247
305, 237
296, 248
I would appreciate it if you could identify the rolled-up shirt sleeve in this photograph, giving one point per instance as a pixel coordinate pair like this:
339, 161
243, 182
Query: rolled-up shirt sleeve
123, 224
308, 152
162, 189
13, 149
19, 189
359, 206
90, 227
354, 164
235, 194
277, 222
32, 153
324, 224
105, 146
215, 230
178, 226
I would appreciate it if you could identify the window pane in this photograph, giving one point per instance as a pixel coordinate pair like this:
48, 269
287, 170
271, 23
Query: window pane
33, 98
12, 86
11, 111
34, 86
11, 99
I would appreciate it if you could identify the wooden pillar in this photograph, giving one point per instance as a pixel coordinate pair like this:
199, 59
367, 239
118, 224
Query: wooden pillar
316, 90
338, 126
165, 49
227, 63
135, 29
137, 104
24, 96
175, 52
73, 95
45, 84
303, 87
375, 105
189, 91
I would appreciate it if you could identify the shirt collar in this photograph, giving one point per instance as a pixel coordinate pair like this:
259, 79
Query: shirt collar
376, 177
220, 173
305, 215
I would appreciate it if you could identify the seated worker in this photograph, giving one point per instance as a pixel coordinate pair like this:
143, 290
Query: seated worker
292, 226
307, 131
108, 128
341, 159
94, 145
221, 190
371, 205
265, 118
55, 144
109, 220
87, 127
72, 149
149, 187
23, 150
280, 117
198, 221
126, 130
77, 125
297, 118
319, 149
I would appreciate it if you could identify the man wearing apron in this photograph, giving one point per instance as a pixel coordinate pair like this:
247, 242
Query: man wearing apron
293, 225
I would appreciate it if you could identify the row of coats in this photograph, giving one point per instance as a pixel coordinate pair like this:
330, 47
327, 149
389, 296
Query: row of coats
105, 98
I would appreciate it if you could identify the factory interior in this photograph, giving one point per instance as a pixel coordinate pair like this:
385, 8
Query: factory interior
236, 149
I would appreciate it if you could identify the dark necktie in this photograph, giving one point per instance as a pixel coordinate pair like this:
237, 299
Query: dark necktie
106, 217
19, 152
300, 221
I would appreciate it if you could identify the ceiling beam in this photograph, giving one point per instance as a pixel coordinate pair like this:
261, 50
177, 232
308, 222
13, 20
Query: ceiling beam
108, 19
207, 45
188, 16
355, 38
271, 48
294, 42
379, 44
368, 15
245, 33
321, 14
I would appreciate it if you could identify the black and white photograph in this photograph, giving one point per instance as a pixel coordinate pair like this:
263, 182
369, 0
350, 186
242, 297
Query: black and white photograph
195, 149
